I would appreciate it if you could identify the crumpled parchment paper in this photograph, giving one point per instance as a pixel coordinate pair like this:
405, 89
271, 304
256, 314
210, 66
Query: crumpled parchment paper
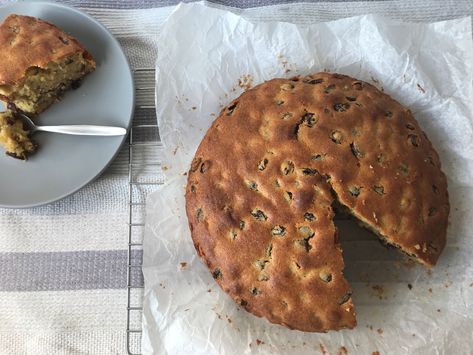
208, 57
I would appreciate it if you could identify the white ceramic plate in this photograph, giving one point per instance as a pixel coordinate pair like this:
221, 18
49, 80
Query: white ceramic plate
64, 163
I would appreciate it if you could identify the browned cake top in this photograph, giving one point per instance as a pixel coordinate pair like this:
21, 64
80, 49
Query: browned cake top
31, 42
263, 180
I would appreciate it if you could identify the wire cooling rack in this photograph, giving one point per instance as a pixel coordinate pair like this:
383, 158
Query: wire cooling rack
144, 176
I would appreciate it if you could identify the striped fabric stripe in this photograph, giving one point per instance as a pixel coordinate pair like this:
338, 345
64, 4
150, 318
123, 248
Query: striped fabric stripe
143, 4
80, 270
63, 322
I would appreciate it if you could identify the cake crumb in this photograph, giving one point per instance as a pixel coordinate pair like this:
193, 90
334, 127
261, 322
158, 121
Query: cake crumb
245, 81
322, 349
379, 290
282, 60
258, 342
183, 264
375, 353
380, 331
430, 289
194, 108
286, 66
209, 290
342, 351
409, 286
438, 310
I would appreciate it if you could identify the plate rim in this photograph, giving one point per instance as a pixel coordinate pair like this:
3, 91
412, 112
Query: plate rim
130, 119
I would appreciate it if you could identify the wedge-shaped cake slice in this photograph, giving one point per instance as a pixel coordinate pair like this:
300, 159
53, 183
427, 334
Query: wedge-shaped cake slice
268, 174
38, 63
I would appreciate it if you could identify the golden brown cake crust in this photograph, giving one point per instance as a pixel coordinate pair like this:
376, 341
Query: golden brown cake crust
31, 42
262, 183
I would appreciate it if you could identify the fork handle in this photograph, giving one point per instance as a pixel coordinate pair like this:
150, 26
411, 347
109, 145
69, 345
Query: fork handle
84, 130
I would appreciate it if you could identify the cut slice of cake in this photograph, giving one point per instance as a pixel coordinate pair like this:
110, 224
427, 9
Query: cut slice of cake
13, 137
38, 63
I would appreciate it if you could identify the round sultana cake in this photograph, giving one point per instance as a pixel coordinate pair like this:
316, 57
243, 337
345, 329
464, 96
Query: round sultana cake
267, 175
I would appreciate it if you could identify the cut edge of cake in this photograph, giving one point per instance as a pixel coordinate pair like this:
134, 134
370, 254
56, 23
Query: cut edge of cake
41, 87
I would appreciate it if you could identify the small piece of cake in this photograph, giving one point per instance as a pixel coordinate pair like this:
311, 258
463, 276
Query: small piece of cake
38, 63
13, 137
271, 171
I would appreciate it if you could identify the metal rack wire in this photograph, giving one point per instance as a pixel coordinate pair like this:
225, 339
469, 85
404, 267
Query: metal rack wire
143, 178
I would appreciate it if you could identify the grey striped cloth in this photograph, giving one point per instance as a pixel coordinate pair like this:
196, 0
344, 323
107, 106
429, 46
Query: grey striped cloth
63, 272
